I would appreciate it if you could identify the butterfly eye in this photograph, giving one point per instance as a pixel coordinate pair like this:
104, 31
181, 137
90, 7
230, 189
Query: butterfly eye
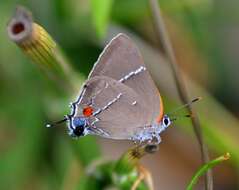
166, 121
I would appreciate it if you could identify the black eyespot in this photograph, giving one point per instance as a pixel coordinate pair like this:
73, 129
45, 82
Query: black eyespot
166, 121
79, 130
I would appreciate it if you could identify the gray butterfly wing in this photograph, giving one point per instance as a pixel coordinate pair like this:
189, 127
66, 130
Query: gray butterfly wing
118, 110
122, 61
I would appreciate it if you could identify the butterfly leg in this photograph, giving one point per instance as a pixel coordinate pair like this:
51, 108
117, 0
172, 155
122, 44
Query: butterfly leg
145, 175
153, 140
156, 139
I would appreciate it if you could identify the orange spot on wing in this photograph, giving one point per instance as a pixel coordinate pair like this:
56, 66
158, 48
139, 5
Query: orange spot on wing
88, 111
161, 113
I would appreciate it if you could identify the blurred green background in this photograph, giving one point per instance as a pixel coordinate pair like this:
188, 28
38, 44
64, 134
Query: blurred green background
204, 34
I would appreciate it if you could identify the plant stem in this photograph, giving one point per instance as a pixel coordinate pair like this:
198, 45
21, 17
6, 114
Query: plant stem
38, 45
127, 168
162, 35
205, 168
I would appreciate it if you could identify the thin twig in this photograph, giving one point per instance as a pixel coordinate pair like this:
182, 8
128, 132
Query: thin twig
162, 34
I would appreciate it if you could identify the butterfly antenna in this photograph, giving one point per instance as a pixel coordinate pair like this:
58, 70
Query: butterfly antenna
57, 122
180, 116
185, 105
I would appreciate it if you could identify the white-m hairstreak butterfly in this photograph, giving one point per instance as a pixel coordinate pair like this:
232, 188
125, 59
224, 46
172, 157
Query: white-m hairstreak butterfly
119, 100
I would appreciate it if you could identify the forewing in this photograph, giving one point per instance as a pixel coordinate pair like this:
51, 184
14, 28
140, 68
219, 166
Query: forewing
122, 61
118, 110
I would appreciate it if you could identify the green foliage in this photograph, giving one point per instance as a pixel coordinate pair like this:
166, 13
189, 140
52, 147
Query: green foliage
100, 10
120, 174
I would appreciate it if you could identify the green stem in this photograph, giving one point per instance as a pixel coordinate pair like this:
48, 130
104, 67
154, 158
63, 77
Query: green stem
127, 170
205, 168
40, 47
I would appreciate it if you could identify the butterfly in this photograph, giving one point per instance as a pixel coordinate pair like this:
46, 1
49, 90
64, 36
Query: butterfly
119, 100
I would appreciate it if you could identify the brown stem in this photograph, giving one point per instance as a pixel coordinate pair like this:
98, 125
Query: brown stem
162, 35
